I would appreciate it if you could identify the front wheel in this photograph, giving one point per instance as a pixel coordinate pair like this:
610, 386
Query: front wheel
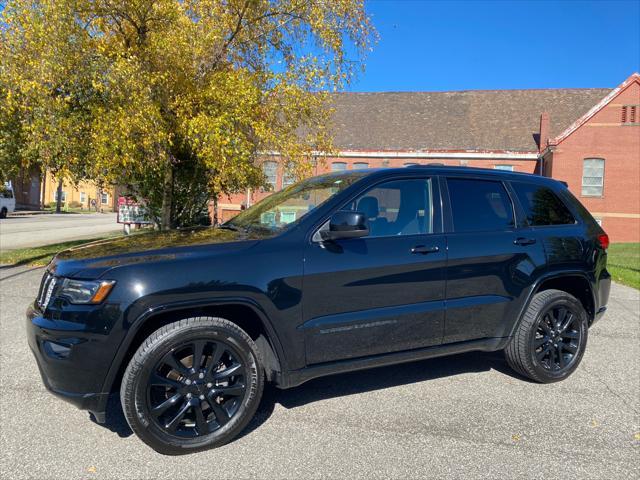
192, 385
550, 341
3, 213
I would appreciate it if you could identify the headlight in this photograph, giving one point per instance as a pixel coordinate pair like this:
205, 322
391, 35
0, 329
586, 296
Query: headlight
86, 291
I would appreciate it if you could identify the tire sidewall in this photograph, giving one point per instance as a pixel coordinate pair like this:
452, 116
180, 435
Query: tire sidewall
576, 307
136, 385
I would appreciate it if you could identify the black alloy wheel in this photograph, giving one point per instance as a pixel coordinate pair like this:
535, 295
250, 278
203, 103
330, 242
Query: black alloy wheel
192, 385
550, 340
196, 388
557, 338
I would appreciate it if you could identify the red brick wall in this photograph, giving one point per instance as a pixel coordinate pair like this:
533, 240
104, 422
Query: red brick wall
604, 136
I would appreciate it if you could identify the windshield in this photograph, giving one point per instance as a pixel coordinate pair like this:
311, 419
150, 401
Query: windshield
286, 207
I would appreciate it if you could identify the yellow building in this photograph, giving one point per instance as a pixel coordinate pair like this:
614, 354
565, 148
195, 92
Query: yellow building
84, 195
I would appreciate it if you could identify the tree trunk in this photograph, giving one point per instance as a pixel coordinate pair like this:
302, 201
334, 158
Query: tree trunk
59, 200
215, 210
166, 216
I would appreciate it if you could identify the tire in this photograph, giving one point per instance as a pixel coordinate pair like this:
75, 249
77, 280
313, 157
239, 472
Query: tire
216, 400
3, 213
545, 354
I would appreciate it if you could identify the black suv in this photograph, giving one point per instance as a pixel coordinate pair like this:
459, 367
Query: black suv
339, 272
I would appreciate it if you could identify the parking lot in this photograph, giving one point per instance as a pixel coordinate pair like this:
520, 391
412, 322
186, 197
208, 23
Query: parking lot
466, 416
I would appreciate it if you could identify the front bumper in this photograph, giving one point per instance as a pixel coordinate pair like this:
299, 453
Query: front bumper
70, 361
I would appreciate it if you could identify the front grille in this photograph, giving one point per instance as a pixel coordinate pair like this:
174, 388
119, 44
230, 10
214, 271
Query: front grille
46, 290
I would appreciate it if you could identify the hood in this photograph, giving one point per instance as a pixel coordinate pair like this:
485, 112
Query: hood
93, 259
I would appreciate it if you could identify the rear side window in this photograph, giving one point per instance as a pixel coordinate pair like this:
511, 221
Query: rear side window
542, 206
479, 205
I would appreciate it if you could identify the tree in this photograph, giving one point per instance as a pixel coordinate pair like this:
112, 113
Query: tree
177, 100
45, 91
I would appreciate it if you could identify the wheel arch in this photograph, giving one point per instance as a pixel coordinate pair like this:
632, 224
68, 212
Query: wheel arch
576, 283
243, 313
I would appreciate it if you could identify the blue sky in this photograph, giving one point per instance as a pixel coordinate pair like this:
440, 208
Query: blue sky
447, 45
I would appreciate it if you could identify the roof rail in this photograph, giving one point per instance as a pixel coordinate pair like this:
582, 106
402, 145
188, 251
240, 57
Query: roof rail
427, 165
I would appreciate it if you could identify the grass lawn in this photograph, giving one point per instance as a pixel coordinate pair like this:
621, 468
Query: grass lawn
41, 255
623, 263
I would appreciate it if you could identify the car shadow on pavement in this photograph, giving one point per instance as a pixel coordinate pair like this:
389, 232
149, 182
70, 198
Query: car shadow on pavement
346, 384
377, 379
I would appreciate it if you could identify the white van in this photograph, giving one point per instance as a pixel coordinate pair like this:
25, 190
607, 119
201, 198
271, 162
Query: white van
7, 200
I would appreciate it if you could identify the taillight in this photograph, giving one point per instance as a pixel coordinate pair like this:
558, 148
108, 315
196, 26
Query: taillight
604, 241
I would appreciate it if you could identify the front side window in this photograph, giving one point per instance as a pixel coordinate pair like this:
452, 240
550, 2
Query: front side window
288, 206
479, 205
270, 170
541, 205
592, 177
399, 207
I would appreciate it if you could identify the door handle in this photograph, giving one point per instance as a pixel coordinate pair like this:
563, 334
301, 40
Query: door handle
423, 249
524, 241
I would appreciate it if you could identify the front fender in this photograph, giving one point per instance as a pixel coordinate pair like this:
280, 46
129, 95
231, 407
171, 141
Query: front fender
150, 313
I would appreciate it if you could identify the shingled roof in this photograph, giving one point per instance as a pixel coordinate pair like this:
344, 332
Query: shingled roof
465, 120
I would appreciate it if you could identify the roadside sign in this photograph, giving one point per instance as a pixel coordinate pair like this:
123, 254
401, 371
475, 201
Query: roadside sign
131, 212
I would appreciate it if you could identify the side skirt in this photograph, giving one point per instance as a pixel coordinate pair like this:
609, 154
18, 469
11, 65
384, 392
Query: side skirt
294, 378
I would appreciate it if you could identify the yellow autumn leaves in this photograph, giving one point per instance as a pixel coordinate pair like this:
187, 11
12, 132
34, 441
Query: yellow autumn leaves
167, 97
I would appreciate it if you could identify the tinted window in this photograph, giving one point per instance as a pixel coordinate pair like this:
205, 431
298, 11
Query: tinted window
541, 205
400, 207
479, 205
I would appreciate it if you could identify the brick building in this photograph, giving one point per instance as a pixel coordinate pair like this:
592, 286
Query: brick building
569, 134
598, 155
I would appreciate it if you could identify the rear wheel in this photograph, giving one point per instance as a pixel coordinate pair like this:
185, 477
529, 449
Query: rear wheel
549, 343
3, 213
192, 385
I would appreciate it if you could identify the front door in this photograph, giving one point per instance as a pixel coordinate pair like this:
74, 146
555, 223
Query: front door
384, 292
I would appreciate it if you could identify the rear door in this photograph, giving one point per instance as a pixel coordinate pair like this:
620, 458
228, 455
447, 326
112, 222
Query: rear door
384, 292
492, 258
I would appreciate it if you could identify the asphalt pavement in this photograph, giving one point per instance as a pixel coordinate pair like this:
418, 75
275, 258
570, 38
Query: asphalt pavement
465, 416
37, 230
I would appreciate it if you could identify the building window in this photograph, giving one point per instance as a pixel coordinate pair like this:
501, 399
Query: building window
55, 196
360, 165
287, 217
592, 177
270, 170
508, 168
288, 179
83, 197
338, 166
104, 198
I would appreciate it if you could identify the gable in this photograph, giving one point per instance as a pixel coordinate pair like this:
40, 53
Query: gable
608, 111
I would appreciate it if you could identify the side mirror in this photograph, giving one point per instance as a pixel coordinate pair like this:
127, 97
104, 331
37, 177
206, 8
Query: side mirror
346, 224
